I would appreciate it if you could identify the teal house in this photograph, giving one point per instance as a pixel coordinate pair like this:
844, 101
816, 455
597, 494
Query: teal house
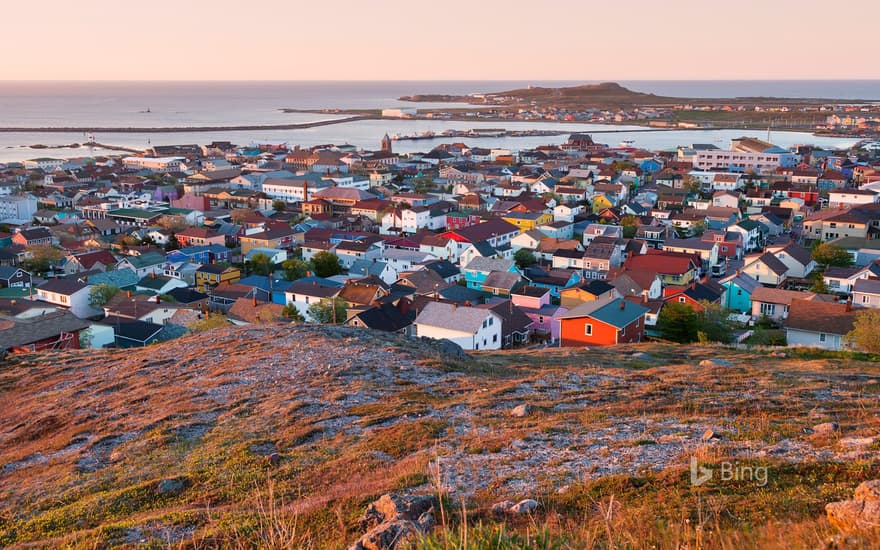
738, 292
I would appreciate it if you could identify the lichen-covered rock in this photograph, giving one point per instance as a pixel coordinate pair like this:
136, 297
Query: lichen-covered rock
389, 508
854, 515
868, 490
524, 506
387, 536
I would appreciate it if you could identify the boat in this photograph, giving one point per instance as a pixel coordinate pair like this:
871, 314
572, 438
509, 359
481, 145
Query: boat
627, 143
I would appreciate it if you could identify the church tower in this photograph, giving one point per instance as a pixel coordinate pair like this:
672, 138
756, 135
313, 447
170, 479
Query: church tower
386, 144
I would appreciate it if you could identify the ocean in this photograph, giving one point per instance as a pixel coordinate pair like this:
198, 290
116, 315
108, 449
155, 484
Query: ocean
180, 104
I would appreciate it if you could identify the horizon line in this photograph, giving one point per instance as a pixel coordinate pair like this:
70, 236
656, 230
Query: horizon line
589, 81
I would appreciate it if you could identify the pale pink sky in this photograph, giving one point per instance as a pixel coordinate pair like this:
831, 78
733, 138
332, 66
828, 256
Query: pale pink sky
439, 39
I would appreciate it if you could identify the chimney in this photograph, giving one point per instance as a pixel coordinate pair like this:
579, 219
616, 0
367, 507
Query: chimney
255, 299
622, 304
849, 304
128, 294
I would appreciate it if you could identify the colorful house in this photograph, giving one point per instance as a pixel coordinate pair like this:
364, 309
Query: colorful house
210, 275
599, 323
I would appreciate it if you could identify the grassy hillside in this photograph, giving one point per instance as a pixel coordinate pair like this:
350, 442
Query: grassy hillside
280, 436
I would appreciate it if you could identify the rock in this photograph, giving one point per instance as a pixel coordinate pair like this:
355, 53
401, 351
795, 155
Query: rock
501, 508
393, 507
709, 363
387, 536
451, 349
868, 490
521, 411
709, 435
171, 486
778, 354
854, 515
274, 459
825, 428
857, 441
524, 506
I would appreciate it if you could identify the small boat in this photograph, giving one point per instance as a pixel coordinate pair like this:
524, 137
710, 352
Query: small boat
627, 143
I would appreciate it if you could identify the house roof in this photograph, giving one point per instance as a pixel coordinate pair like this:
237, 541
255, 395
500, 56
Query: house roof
867, 286
63, 286
618, 313
132, 329
780, 296
813, 316
21, 332
773, 263
489, 264
452, 317
384, 317
503, 280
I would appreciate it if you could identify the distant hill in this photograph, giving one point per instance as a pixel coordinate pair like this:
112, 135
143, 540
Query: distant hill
279, 436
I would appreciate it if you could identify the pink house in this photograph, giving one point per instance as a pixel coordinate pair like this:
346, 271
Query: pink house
535, 303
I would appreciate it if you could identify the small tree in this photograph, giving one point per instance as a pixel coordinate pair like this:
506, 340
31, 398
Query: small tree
524, 258
100, 294
819, 286
174, 223
326, 264
678, 322
828, 254
40, 258
261, 264
630, 224
328, 311
173, 243
279, 206
294, 269
712, 323
291, 312
864, 334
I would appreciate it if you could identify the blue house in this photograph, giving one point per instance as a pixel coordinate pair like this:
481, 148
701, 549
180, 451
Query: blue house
738, 292
265, 287
478, 269
650, 166
554, 279
206, 254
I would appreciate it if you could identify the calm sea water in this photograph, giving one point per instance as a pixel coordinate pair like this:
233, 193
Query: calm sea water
125, 104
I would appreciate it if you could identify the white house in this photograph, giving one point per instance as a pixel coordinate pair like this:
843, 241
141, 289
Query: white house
470, 327
866, 293
68, 293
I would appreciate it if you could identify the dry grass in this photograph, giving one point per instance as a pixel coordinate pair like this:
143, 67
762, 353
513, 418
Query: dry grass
278, 438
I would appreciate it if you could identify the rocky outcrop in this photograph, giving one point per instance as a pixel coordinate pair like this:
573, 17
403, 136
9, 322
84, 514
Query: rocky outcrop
860, 514
395, 521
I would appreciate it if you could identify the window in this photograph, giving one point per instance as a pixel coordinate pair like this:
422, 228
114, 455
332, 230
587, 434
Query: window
681, 299
494, 337
541, 319
821, 336
588, 330
768, 309
865, 299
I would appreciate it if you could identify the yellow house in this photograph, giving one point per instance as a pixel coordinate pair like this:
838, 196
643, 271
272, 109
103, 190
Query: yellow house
600, 203
526, 221
588, 291
211, 275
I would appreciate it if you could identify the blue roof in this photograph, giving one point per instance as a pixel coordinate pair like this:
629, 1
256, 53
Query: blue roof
262, 282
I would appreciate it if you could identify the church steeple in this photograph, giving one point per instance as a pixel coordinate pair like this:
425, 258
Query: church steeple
386, 144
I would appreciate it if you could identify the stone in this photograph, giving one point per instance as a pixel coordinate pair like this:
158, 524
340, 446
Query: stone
171, 486
709, 363
387, 536
825, 428
524, 506
521, 411
857, 441
501, 508
709, 435
274, 459
393, 507
868, 490
854, 515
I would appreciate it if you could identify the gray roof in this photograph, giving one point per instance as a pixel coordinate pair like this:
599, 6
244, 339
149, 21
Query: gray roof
21, 332
501, 280
452, 317
489, 264
867, 286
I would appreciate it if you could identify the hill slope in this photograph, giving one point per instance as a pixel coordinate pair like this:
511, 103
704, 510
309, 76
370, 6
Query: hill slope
281, 435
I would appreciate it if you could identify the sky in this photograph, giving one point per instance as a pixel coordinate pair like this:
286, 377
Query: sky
437, 40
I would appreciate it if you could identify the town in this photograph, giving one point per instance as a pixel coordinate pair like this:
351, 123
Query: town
580, 244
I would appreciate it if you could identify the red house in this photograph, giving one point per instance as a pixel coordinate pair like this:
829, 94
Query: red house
599, 323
